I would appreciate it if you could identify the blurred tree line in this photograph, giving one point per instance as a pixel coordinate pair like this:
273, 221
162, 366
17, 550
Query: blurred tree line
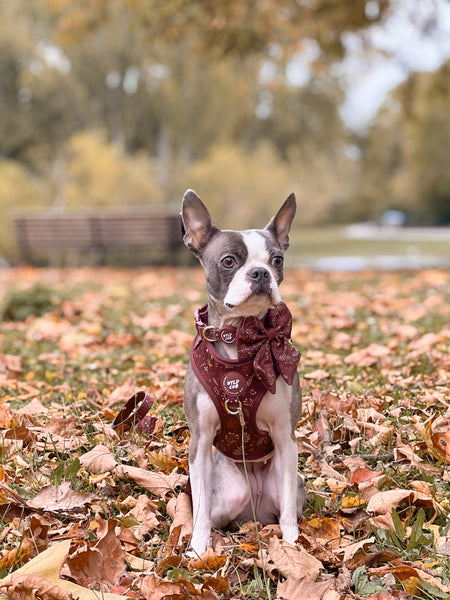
115, 102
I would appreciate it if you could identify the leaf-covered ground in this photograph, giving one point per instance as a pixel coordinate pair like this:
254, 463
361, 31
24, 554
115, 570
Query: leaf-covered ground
84, 507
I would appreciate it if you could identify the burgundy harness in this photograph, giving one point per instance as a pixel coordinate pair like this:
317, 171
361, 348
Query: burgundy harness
237, 386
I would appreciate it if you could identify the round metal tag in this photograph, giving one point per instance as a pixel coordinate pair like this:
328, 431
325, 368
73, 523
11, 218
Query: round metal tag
234, 383
228, 335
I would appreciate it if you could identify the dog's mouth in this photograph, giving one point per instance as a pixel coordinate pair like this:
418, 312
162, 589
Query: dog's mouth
254, 302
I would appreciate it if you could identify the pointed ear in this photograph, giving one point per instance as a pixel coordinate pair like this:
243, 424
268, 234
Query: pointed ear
280, 224
197, 222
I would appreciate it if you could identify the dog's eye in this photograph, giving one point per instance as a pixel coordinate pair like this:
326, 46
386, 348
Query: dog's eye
228, 262
277, 261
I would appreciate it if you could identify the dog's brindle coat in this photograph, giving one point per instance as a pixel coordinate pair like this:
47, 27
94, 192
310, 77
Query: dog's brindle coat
243, 270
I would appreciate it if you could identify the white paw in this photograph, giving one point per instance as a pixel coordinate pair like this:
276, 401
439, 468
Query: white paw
290, 534
196, 551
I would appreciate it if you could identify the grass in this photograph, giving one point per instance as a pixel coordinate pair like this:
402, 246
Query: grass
108, 328
311, 243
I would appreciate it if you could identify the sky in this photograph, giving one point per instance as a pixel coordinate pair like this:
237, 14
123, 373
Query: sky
415, 36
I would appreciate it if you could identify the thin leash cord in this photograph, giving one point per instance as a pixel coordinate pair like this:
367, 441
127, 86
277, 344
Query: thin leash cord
252, 504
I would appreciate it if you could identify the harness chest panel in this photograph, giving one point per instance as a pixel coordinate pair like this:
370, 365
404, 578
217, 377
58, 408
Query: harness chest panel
230, 384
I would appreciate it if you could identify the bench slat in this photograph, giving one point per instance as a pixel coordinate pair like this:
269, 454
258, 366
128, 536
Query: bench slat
98, 231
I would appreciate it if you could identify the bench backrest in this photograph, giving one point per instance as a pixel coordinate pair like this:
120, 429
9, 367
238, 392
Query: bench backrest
108, 230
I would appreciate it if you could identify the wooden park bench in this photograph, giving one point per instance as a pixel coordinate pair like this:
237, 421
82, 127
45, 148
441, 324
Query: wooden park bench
48, 236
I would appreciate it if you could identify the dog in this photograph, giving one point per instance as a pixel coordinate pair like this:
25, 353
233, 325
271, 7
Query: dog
242, 392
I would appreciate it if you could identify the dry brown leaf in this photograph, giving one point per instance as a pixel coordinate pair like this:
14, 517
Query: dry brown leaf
366, 357
323, 528
333, 404
405, 572
6, 416
11, 365
350, 550
363, 475
426, 342
382, 503
47, 565
159, 484
218, 584
320, 550
35, 407
144, 511
299, 589
98, 460
317, 375
137, 563
154, 587
66, 426
22, 586
122, 393
60, 498
289, 561
208, 560
101, 564
180, 511
8, 558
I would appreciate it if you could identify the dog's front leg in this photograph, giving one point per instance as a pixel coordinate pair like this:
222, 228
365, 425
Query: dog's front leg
201, 475
203, 423
286, 457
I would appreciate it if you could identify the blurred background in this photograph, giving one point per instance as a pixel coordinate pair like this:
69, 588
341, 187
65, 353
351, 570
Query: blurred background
106, 104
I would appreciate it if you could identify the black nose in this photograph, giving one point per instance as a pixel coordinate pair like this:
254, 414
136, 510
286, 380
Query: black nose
259, 274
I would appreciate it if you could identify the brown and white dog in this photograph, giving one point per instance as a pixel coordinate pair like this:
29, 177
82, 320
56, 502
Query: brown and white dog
243, 270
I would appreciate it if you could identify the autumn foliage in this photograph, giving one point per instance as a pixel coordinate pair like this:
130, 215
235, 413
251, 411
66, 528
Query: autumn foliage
85, 507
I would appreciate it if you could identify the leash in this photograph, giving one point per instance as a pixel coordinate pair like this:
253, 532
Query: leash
135, 412
252, 504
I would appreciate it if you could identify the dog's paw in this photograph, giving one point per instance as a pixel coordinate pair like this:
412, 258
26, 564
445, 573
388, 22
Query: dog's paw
290, 534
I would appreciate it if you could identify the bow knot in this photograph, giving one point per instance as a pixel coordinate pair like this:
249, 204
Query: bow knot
268, 344
272, 334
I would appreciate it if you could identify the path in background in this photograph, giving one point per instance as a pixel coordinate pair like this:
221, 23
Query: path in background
367, 246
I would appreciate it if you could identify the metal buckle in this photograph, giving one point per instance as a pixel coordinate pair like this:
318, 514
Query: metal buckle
205, 337
231, 411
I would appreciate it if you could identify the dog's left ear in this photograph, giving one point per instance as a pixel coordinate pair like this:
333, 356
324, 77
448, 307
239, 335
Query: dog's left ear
280, 224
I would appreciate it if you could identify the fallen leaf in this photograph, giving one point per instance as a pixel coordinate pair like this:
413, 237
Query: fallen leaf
60, 498
47, 565
100, 565
208, 560
180, 511
144, 511
98, 460
382, 503
159, 484
9, 558
350, 550
289, 561
318, 374
154, 587
323, 528
299, 589
22, 586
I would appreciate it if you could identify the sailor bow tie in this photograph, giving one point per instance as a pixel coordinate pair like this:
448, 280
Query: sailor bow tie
268, 343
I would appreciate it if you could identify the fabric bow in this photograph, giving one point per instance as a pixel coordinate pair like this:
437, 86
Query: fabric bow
268, 344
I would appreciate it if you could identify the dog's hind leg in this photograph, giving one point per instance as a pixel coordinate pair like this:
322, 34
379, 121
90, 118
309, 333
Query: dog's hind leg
230, 491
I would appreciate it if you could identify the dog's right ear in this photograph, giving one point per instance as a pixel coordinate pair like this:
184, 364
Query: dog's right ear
197, 222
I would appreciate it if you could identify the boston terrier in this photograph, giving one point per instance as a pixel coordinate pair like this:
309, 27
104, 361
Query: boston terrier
242, 393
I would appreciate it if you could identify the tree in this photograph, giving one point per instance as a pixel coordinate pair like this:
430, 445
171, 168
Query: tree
405, 162
224, 27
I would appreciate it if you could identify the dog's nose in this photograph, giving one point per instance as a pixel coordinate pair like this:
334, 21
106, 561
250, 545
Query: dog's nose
259, 274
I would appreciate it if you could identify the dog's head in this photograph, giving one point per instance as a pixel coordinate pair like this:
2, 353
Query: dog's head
243, 269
